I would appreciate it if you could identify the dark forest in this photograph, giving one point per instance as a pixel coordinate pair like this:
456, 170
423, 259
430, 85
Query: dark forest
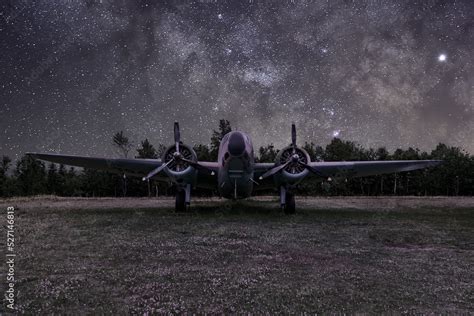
455, 176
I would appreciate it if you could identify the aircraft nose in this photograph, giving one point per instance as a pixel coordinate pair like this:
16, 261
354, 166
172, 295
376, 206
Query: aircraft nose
236, 144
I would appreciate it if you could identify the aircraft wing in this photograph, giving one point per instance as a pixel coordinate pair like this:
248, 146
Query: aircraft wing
370, 168
133, 167
347, 169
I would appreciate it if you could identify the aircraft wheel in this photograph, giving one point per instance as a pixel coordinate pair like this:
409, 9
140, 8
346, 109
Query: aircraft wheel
180, 206
290, 207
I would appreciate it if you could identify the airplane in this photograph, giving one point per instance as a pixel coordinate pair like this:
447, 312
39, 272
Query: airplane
235, 174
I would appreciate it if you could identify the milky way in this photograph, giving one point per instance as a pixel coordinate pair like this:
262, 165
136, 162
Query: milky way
380, 73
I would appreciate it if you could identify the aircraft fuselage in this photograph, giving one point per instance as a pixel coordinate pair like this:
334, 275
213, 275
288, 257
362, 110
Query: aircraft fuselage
236, 166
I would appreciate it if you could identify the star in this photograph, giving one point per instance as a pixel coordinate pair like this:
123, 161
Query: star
220, 16
442, 57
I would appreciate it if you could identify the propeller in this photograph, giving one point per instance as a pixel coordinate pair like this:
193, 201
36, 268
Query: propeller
177, 136
198, 166
311, 169
177, 158
294, 159
293, 137
276, 169
156, 171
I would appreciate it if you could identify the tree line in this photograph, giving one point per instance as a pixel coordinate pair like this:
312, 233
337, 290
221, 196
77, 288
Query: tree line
454, 177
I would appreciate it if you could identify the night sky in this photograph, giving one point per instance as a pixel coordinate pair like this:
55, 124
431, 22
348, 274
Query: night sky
380, 73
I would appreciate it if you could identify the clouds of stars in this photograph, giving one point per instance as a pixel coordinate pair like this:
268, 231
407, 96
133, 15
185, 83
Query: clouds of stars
381, 73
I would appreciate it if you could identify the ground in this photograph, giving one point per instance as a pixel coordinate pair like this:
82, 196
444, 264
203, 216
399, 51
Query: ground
337, 255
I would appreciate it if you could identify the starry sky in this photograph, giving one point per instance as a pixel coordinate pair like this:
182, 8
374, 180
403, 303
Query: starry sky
380, 73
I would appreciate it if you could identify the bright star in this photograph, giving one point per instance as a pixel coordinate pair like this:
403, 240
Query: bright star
442, 57
336, 133
219, 16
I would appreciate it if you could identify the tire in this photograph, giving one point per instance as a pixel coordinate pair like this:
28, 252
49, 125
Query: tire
180, 205
290, 206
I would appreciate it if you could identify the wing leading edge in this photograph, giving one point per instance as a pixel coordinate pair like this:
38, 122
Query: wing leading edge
370, 168
135, 167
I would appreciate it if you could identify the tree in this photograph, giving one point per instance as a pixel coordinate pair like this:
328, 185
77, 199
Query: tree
31, 176
339, 150
4, 179
146, 150
224, 128
316, 153
98, 183
382, 154
202, 152
267, 154
52, 181
122, 144
454, 175
71, 183
5, 165
161, 150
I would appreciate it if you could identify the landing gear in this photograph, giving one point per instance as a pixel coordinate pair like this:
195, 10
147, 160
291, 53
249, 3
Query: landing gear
287, 201
290, 207
183, 199
180, 206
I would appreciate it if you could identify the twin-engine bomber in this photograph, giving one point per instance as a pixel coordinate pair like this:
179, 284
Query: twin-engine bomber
235, 174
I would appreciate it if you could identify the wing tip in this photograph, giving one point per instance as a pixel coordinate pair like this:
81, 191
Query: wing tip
37, 155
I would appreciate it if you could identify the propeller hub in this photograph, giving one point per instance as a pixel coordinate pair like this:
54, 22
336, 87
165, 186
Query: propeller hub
294, 159
177, 155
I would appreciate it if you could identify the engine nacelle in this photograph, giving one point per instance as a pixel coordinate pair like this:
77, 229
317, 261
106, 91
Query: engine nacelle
180, 170
294, 172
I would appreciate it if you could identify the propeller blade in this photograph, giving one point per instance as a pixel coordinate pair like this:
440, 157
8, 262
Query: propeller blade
157, 170
177, 136
198, 166
274, 170
312, 169
293, 135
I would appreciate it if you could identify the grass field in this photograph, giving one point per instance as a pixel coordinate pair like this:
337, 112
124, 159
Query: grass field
338, 255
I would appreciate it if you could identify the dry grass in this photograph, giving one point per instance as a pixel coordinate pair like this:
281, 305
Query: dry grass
80, 256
